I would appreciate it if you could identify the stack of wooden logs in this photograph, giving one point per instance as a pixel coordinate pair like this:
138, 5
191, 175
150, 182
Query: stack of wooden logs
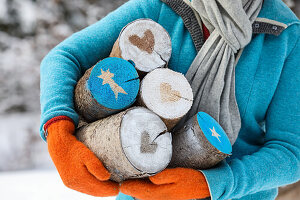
131, 102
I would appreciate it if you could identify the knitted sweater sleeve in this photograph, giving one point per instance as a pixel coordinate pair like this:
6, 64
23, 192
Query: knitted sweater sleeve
277, 163
65, 64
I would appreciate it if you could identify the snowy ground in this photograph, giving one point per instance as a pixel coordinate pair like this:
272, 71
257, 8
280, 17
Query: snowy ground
21, 147
38, 185
27, 170
47, 185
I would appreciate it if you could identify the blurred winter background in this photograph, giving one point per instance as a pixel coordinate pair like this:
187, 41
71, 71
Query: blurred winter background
28, 30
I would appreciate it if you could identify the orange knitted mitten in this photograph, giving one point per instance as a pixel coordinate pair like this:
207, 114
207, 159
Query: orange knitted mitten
170, 184
78, 167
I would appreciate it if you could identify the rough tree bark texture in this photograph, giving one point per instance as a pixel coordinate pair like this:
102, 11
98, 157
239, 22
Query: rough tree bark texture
290, 192
166, 93
146, 43
131, 144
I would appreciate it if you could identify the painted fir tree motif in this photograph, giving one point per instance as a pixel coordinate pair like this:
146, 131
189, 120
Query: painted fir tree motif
107, 76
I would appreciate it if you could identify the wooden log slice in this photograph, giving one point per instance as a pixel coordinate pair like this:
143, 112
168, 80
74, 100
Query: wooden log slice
131, 144
146, 43
107, 88
166, 93
200, 144
289, 192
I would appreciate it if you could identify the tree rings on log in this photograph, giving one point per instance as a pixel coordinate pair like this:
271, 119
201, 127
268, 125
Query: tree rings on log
200, 144
109, 87
131, 144
167, 93
146, 43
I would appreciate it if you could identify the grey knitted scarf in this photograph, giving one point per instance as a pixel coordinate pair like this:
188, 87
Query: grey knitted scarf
212, 73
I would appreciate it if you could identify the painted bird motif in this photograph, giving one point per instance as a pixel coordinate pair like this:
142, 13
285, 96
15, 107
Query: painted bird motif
107, 76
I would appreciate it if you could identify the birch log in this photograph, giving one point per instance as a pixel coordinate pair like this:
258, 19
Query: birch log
107, 88
167, 93
146, 43
131, 144
200, 144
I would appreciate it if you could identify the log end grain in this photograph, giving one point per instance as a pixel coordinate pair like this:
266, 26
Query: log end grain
146, 43
114, 83
166, 93
145, 140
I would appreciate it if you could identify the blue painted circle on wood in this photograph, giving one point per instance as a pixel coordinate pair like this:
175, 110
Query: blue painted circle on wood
114, 83
214, 132
122, 196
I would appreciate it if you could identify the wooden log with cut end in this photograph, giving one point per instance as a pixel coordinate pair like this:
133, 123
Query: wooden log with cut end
146, 43
107, 88
289, 192
200, 144
131, 144
166, 93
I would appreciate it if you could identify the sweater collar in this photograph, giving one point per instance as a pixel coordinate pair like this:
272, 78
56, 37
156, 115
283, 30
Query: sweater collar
274, 18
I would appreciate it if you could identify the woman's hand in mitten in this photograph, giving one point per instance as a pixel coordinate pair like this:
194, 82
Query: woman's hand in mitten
171, 184
78, 167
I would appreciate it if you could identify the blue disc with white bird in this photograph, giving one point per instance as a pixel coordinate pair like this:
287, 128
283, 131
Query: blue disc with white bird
214, 133
114, 83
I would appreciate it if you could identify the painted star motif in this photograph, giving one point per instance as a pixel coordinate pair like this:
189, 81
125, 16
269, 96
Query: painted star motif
215, 134
107, 76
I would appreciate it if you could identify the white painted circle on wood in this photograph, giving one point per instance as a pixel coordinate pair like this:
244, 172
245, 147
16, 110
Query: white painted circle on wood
135, 124
144, 60
167, 93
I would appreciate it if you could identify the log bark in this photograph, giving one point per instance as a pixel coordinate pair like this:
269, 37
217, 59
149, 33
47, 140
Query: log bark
166, 93
200, 144
146, 43
105, 89
131, 144
290, 192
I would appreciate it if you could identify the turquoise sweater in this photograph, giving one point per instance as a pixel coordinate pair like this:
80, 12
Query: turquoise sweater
266, 154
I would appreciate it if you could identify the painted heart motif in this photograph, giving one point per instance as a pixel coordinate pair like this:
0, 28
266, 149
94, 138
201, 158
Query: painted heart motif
146, 145
145, 43
167, 94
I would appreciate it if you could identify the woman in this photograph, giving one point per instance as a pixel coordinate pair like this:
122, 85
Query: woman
254, 49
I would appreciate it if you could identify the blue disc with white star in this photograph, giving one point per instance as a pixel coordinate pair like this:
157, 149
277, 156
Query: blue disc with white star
114, 83
214, 133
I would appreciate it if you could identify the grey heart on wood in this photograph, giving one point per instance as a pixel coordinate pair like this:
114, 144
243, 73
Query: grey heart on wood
146, 145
